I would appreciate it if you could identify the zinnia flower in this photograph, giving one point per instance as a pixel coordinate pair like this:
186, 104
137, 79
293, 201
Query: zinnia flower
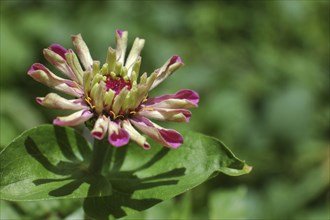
111, 96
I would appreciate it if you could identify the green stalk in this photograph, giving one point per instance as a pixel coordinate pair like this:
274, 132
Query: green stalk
99, 155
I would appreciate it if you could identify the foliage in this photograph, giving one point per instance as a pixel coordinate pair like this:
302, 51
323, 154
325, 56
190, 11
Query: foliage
63, 166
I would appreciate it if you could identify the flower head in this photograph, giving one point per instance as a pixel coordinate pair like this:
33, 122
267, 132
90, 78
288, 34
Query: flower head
111, 95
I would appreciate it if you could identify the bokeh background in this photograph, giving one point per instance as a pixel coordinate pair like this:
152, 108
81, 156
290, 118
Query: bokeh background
262, 71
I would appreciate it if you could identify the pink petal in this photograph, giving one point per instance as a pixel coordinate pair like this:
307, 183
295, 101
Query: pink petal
58, 49
171, 65
166, 137
100, 127
134, 55
185, 98
38, 66
162, 114
121, 45
55, 55
83, 51
73, 119
43, 75
120, 32
135, 135
76, 71
55, 101
175, 59
117, 136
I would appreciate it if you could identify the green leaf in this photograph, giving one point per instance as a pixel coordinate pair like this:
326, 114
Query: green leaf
45, 162
52, 162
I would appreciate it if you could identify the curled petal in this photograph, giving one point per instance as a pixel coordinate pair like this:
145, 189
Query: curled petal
134, 69
134, 54
55, 55
121, 45
160, 114
58, 49
119, 101
135, 135
117, 136
120, 33
100, 127
185, 98
111, 59
83, 51
52, 100
43, 75
75, 66
73, 119
97, 94
166, 137
141, 90
172, 64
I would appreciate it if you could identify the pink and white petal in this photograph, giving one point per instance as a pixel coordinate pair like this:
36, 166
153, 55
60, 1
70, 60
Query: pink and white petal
83, 51
185, 98
162, 114
58, 49
119, 100
39, 66
172, 64
43, 75
134, 54
117, 136
100, 127
166, 137
73, 119
121, 45
57, 59
73, 62
135, 135
52, 100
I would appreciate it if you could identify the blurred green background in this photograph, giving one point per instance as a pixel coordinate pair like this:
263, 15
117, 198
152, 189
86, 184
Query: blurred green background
262, 71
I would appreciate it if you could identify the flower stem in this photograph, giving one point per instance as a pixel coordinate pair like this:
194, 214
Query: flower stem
100, 152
